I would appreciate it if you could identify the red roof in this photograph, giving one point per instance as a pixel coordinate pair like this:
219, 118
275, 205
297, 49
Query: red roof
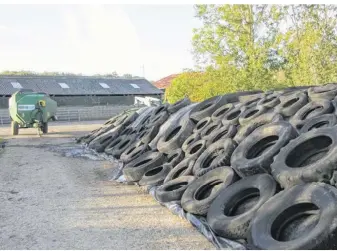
165, 82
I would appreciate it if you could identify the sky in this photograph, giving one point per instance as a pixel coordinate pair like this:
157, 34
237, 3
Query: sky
92, 39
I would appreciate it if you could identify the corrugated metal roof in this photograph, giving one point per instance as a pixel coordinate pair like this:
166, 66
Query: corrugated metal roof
78, 85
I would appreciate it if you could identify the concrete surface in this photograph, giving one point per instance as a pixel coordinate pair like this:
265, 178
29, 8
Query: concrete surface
53, 202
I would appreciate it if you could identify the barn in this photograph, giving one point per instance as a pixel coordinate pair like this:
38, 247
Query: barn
88, 95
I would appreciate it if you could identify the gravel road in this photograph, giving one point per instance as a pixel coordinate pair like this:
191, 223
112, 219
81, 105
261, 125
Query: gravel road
49, 201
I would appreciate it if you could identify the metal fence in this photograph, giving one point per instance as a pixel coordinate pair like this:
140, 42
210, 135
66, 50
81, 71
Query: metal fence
76, 113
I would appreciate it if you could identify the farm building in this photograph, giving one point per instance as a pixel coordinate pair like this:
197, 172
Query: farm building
80, 90
79, 97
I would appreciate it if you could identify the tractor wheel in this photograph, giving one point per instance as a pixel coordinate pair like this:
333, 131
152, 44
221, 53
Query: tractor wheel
45, 127
15, 128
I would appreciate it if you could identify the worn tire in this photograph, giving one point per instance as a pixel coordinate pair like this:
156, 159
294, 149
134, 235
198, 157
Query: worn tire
303, 217
190, 140
222, 111
328, 91
135, 169
221, 151
207, 107
312, 157
123, 145
326, 120
311, 110
202, 124
201, 192
155, 176
133, 152
231, 212
178, 105
104, 139
226, 131
175, 157
232, 117
250, 114
264, 119
212, 127
291, 104
149, 134
255, 153
158, 120
195, 149
184, 168
269, 101
174, 189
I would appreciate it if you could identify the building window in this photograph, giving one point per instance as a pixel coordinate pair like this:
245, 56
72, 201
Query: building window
104, 85
16, 85
134, 85
64, 85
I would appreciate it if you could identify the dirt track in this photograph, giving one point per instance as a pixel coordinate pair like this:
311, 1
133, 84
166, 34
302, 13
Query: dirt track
49, 201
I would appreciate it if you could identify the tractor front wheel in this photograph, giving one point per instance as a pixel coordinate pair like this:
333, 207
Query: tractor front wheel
15, 128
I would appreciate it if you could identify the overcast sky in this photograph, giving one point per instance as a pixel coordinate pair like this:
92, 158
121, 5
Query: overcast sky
93, 39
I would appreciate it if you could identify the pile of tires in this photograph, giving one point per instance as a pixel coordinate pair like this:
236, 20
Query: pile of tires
260, 168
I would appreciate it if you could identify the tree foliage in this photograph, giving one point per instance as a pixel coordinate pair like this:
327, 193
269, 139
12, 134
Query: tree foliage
247, 47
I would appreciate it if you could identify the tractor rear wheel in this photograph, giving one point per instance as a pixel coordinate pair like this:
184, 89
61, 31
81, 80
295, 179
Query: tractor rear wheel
15, 128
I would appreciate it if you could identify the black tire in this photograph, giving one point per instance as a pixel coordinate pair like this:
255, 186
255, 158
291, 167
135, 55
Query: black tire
291, 104
207, 107
202, 124
251, 103
255, 153
175, 137
174, 189
312, 157
157, 111
158, 120
328, 91
248, 98
227, 131
110, 147
326, 120
303, 217
201, 192
264, 119
135, 169
175, 157
184, 168
310, 110
178, 105
221, 111
104, 139
212, 127
15, 128
155, 176
123, 145
232, 117
195, 149
231, 212
251, 113
133, 152
221, 149
149, 134
270, 101
45, 127
190, 140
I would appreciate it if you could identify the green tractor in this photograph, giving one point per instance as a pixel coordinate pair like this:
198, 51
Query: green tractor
30, 109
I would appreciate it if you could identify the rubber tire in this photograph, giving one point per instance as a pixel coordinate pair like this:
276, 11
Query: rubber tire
114, 143
269, 101
135, 169
232, 117
245, 162
158, 120
184, 168
250, 114
175, 136
192, 152
227, 131
220, 214
165, 193
212, 183
104, 139
212, 127
291, 104
147, 136
248, 98
202, 124
310, 110
299, 150
123, 145
328, 91
154, 179
178, 105
264, 119
326, 120
219, 113
207, 107
221, 151
190, 140
289, 204
175, 157
133, 152
15, 128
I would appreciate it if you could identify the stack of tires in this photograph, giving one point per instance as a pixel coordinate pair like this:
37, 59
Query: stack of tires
260, 168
